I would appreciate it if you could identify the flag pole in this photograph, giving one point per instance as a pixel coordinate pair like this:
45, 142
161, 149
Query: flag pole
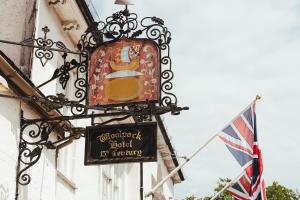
228, 185
179, 166
174, 171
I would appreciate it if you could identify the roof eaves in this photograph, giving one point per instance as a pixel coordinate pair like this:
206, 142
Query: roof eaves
85, 12
168, 142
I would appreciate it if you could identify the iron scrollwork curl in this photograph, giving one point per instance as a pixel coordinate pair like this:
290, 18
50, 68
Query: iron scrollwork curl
155, 30
120, 24
44, 51
27, 158
33, 138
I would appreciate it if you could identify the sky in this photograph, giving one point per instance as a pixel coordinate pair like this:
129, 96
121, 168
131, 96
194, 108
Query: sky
224, 53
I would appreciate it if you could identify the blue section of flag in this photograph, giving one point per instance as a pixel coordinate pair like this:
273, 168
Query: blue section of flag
242, 157
248, 116
229, 130
237, 187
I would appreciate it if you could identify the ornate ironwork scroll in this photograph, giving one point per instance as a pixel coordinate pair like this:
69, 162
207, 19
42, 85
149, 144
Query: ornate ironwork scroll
45, 46
34, 137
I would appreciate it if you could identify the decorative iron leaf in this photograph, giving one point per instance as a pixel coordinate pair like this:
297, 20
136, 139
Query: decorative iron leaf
74, 62
159, 41
109, 35
158, 20
137, 33
56, 73
35, 152
169, 40
28, 41
79, 46
63, 79
116, 16
64, 56
62, 46
125, 12
124, 32
44, 134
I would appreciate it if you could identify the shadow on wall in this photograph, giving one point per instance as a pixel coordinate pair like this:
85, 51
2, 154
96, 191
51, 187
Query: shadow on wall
10, 117
4, 193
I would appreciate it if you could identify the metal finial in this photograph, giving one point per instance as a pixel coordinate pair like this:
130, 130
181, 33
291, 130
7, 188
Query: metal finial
124, 2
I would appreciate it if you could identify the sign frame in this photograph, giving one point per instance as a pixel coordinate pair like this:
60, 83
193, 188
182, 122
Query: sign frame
88, 160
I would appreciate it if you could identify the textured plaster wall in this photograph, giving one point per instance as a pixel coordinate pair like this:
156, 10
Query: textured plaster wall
150, 170
12, 15
43, 174
47, 17
9, 123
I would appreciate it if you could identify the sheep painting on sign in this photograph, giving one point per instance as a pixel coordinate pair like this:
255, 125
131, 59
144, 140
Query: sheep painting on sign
124, 71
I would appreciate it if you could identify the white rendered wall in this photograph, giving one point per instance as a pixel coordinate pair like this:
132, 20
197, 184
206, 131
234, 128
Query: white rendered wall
150, 172
42, 185
9, 123
47, 17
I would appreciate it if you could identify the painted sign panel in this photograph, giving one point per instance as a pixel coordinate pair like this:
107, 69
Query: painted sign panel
121, 143
124, 71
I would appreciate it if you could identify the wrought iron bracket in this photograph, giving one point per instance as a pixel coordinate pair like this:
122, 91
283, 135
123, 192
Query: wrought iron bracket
35, 133
36, 136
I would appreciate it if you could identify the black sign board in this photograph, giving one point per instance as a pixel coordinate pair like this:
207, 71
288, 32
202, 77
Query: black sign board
121, 143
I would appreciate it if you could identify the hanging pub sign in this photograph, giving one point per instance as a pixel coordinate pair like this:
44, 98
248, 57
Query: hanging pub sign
121, 143
124, 71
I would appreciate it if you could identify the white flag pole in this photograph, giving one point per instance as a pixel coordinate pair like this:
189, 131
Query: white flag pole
179, 167
228, 185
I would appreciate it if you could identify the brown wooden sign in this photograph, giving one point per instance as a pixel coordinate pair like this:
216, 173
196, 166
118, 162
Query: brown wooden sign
121, 143
124, 71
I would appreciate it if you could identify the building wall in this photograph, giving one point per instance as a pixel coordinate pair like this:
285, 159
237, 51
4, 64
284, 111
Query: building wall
155, 172
13, 14
47, 17
17, 22
9, 123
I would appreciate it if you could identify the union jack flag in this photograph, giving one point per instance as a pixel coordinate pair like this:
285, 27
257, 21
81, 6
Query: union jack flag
240, 137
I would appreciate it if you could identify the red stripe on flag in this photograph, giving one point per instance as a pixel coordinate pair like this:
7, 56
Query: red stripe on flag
241, 126
263, 190
256, 185
249, 170
244, 182
235, 145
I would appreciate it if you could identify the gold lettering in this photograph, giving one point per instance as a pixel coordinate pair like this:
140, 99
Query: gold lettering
103, 153
139, 153
119, 134
131, 153
138, 137
113, 144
